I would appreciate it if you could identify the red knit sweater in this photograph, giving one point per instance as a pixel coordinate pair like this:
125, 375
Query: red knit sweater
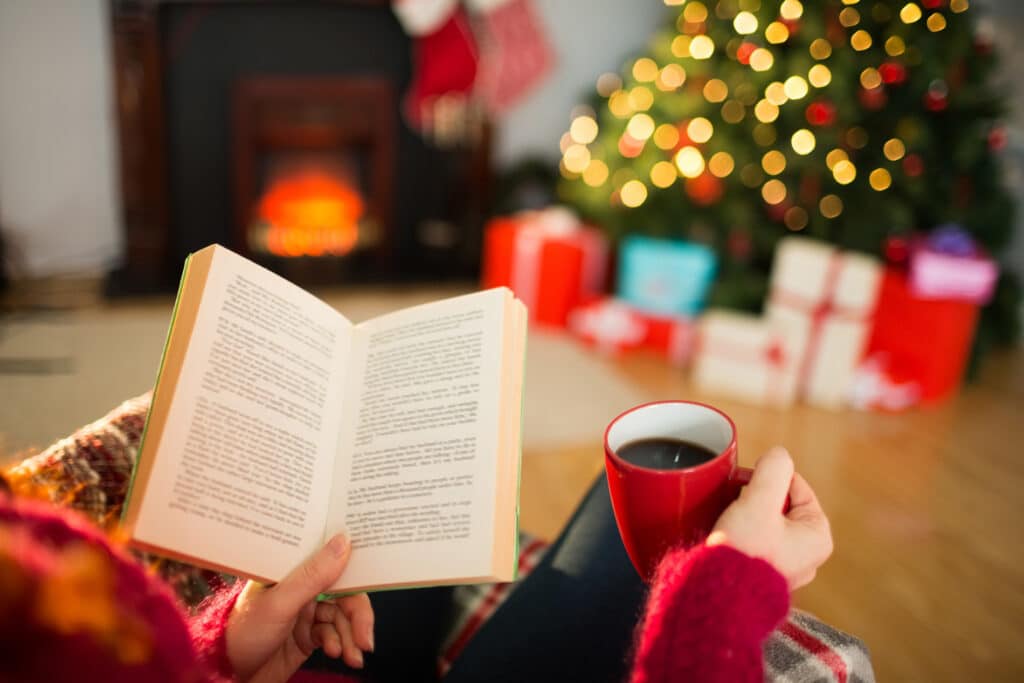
708, 613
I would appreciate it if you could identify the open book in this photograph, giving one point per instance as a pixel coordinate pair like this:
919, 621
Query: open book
276, 423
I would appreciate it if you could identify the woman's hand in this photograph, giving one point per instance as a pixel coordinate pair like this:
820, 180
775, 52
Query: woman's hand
273, 630
796, 543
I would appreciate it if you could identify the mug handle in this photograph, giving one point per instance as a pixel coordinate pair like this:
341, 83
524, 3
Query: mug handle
742, 477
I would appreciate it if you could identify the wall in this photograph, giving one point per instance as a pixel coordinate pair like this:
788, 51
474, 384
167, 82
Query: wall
58, 170
590, 37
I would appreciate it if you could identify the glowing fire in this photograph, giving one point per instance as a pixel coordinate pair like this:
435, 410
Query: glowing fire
308, 213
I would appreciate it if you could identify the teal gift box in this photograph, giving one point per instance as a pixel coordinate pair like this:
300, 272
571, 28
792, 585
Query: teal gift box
670, 277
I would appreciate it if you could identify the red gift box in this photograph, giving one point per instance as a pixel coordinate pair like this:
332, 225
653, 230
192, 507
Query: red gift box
921, 341
549, 259
675, 337
609, 325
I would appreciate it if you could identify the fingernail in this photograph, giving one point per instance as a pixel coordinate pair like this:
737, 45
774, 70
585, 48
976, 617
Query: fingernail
338, 545
370, 639
359, 659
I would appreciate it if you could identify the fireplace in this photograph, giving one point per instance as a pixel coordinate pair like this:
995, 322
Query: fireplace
275, 129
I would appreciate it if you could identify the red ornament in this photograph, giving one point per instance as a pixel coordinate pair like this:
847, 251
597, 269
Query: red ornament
821, 113
997, 138
744, 51
684, 138
897, 250
893, 73
935, 102
777, 212
740, 245
913, 165
931, 4
792, 24
872, 98
705, 189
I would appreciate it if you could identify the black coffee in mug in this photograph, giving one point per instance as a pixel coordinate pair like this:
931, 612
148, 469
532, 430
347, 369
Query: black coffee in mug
660, 453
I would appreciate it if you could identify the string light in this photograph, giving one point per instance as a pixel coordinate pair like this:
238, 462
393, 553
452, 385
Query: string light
844, 172
791, 10
764, 134
607, 84
819, 75
936, 22
745, 23
773, 162
640, 127
566, 173
663, 174
880, 179
795, 218
681, 46
795, 87
576, 158
860, 40
645, 70
802, 141
849, 17
910, 13
776, 94
761, 59
701, 47
633, 193
629, 146
870, 78
689, 161
583, 130
674, 3
564, 142
958, 6
830, 206
716, 90
765, 111
834, 157
894, 149
774, 191
733, 111
895, 46
820, 49
695, 12
596, 173
671, 77
721, 164
700, 129
641, 98
666, 136
619, 104
776, 33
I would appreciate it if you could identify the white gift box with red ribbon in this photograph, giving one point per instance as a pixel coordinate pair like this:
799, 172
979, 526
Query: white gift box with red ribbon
743, 356
824, 299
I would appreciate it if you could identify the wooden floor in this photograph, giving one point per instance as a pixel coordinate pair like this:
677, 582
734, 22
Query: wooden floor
926, 509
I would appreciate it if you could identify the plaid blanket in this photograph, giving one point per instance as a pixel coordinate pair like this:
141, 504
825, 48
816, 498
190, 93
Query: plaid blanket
90, 471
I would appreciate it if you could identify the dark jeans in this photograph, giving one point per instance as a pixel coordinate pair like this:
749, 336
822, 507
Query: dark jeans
571, 619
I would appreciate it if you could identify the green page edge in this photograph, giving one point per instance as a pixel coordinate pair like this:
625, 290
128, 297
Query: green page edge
519, 481
156, 385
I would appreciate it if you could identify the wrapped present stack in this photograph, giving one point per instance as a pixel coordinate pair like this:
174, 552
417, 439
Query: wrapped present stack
810, 340
924, 326
552, 261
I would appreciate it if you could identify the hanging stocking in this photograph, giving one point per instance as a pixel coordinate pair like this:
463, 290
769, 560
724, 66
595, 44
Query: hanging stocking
444, 60
515, 52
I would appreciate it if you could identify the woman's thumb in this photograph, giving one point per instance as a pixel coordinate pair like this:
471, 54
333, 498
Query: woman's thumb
312, 577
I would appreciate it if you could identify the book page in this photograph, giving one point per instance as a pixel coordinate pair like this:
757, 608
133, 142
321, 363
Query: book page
241, 473
414, 486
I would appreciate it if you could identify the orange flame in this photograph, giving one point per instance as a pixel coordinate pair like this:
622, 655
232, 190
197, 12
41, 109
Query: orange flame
311, 213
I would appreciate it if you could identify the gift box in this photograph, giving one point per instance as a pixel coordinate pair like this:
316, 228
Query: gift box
613, 326
824, 298
948, 264
609, 325
551, 260
918, 341
743, 356
667, 277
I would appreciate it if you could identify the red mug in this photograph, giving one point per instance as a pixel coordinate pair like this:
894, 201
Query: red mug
658, 509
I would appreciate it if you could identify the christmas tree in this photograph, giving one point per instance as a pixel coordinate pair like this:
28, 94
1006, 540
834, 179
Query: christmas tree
859, 123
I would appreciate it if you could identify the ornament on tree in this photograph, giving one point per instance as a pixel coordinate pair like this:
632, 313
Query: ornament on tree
897, 250
997, 138
937, 97
739, 245
872, 99
821, 113
705, 189
893, 73
913, 165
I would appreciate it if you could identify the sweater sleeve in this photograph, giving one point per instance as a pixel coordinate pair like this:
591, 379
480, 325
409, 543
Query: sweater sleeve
707, 616
207, 629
